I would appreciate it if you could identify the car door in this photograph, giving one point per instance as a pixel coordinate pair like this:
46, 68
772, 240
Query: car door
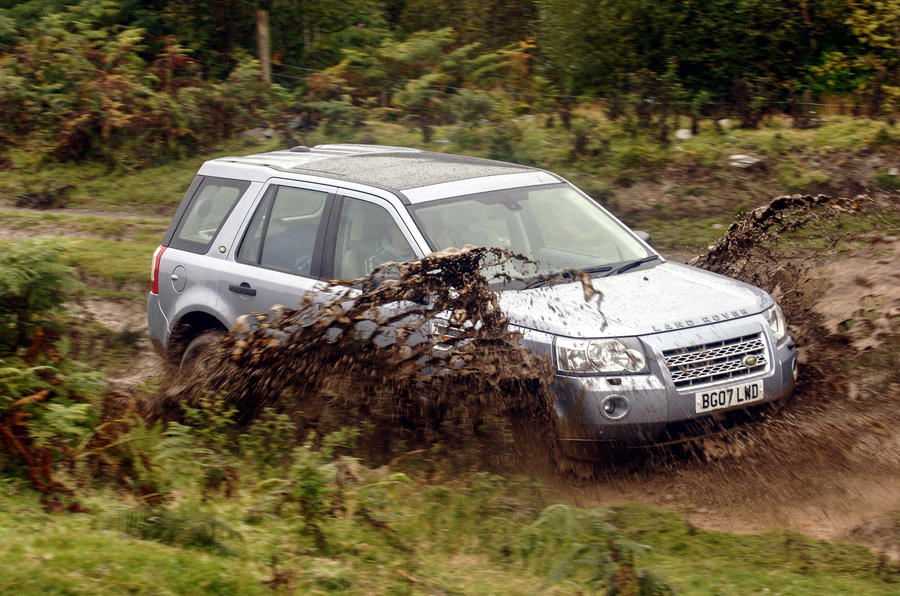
278, 254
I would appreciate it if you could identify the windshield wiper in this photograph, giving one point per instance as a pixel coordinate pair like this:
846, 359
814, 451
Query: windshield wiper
565, 276
632, 265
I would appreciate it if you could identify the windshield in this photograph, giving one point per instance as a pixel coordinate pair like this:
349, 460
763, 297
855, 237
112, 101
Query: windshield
554, 225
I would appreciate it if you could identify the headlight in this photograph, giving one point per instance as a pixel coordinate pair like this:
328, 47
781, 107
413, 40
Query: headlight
776, 321
603, 356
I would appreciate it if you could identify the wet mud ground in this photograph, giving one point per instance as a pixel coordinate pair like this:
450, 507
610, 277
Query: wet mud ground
826, 464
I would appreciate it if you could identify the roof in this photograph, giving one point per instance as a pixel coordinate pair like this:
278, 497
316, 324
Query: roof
391, 168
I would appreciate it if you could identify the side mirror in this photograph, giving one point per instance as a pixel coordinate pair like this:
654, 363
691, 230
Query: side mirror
644, 236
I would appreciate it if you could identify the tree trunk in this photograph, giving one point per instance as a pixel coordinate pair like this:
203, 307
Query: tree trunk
262, 45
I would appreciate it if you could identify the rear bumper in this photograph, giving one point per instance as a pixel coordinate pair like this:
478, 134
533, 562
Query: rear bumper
157, 324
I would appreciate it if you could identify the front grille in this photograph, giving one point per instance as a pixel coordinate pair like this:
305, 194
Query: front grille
716, 361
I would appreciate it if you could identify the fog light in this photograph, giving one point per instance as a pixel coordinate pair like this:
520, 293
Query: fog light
614, 407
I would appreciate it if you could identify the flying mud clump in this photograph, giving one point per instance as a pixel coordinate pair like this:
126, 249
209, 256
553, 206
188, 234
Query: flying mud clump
788, 248
414, 354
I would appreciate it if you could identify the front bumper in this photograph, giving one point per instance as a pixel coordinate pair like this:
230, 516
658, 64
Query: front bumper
654, 403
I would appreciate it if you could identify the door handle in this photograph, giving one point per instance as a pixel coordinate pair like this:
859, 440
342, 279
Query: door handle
243, 289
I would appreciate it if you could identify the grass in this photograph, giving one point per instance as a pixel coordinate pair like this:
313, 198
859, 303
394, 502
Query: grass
150, 191
38, 223
684, 234
887, 180
68, 554
710, 562
794, 178
112, 254
477, 534
841, 233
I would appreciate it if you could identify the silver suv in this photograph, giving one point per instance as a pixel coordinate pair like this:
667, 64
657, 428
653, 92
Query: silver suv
670, 344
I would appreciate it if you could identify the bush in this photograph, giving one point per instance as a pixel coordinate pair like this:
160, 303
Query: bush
34, 284
45, 400
88, 94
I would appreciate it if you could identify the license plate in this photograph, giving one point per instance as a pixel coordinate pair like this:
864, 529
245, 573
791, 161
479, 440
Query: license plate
728, 397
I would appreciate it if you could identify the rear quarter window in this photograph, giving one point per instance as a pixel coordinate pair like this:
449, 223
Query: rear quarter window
207, 210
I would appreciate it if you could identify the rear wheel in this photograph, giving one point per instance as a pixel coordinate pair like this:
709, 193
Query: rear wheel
198, 346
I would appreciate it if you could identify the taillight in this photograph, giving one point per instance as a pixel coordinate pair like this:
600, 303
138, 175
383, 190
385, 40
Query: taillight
154, 268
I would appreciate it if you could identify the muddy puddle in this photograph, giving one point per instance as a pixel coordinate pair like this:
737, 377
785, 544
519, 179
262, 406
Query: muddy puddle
382, 357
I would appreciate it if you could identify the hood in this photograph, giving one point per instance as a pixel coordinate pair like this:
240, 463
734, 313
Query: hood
663, 298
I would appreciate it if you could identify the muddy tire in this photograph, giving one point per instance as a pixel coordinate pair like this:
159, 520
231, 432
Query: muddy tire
198, 346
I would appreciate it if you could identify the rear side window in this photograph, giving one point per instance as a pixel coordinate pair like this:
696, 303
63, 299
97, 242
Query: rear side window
209, 208
282, 234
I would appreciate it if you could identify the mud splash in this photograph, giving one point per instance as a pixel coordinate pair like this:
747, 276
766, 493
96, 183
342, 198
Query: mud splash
415, 354
821, 423
829, 461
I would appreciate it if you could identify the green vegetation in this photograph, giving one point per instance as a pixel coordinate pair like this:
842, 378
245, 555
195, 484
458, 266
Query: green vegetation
145, 82
153, 190
474, 534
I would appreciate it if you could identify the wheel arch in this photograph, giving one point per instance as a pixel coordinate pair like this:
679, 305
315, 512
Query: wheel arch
187, 327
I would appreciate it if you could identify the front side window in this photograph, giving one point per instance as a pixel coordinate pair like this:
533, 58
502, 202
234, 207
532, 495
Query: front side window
207, 211
367, 236
282, 234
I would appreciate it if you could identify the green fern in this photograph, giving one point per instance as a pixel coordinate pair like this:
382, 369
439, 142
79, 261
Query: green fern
34, 285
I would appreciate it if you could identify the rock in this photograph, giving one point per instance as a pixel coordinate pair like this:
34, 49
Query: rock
443, 141
724, 122
745, 162
895, 171
732, 138
259, 134
684, 134
244, 323
815, 164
